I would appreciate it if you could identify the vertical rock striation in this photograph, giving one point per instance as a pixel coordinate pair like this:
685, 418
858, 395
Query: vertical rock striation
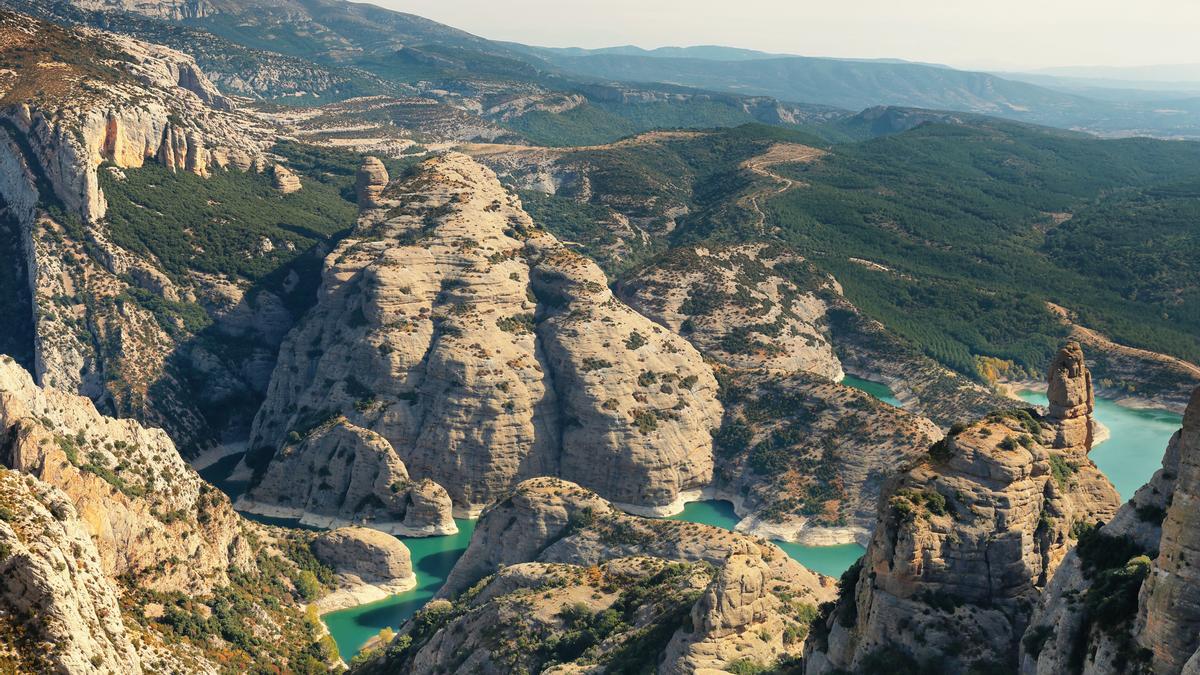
967, 539
1169, 616
484, 353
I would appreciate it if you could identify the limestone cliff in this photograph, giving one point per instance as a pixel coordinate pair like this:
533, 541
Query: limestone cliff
1169, 612
58, 611
554, 572
484, 353
72, 100
137, 550
341, 474
82, 97
968, 538
1121, 601
153, 517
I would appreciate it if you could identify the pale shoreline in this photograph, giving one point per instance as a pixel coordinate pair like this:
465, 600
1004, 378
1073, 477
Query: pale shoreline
793, 532
363, 593
210, 457
326, 522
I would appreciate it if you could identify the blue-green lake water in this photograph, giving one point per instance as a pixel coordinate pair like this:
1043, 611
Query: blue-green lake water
830, 560
1138, 440
877, 389
432, 559
1132, 454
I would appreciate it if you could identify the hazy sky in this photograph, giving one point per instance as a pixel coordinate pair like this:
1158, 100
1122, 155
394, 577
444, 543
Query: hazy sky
965, 33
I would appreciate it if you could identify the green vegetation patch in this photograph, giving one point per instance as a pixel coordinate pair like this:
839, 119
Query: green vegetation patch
231, 223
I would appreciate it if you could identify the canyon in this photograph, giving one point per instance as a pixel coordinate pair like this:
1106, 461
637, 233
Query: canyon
472, 337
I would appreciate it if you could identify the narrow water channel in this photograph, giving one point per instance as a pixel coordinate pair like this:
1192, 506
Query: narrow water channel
829, 560
1130, 456
877, 389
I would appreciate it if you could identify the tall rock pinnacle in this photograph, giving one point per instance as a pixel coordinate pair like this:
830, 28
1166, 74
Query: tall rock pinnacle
1071, 399
372, 179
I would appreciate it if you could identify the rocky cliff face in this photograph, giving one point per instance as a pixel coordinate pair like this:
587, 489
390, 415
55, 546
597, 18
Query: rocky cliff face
554, 560
341, 474
72, 100
144, 505
82, 97
968, 538
107, 540
58, 610
1169, 612
1121, 601
484, 352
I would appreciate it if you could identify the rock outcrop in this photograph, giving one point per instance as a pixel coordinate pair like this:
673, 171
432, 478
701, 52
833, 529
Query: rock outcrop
284, 179
1123, 600
107, 539
552, 520
484, 353
340, 474
103, 97
968, 538
554, 572
370, 565
78, 108
370, 182
58, 610
747, 306
154, 519
1144, 377
1169, 612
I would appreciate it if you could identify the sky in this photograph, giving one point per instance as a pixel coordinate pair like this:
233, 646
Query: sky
992, 34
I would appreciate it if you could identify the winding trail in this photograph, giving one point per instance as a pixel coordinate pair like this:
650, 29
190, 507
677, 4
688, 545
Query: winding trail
780, 153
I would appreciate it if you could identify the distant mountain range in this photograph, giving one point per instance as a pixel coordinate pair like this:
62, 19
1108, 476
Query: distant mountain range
362, 49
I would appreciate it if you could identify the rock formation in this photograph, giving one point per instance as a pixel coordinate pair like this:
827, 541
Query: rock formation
77, 99
484, 352
341, 474
553, 560
748, 306
370, 565
142, 503
371, 180
552, 520
968, 538
1169, 615
58, 611
103, 97
284, 179
110, 544
1123, 600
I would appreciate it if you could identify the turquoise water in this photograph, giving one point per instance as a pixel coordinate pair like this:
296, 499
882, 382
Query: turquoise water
830, 560
432, 558
877, 389
1132, 454
1135, 450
